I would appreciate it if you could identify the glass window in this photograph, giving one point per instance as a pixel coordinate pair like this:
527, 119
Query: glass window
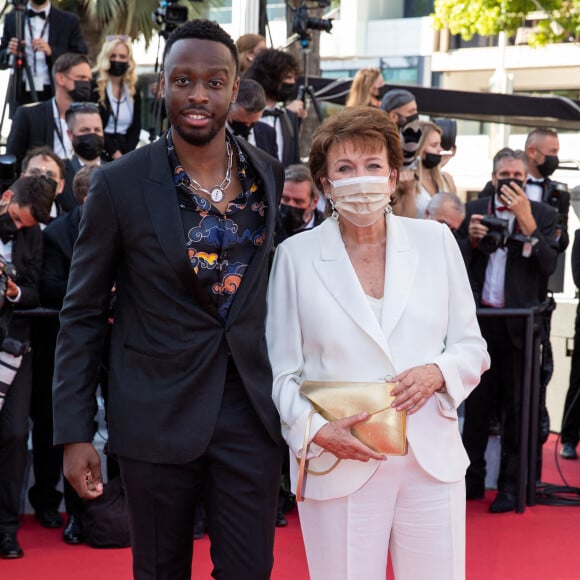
417, 8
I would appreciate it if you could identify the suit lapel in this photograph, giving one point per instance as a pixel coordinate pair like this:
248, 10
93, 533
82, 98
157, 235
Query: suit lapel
400, 271
338, 276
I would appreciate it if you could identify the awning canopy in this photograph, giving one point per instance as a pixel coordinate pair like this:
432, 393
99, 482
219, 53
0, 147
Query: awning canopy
526, 110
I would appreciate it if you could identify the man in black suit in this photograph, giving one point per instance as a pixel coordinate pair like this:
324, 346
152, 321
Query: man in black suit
46, 34
45, 123
246, 112
507, 274
276, 71
183, 227
22, 206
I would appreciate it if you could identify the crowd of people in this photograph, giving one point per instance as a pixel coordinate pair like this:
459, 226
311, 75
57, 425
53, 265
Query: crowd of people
214, 274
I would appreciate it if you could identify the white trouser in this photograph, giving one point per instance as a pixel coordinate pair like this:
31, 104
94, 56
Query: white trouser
401, 509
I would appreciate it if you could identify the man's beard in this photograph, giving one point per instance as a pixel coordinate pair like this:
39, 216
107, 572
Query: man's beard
196, 140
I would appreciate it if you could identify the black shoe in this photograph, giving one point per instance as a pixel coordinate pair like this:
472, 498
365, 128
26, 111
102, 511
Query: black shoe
474, 489
9, 547
49, 518
281, 521
73, 531
568, 451
503, 502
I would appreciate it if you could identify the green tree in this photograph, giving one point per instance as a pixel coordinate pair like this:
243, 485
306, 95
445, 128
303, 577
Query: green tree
489, 17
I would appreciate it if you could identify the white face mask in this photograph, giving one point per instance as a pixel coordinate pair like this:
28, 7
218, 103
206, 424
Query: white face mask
361, 200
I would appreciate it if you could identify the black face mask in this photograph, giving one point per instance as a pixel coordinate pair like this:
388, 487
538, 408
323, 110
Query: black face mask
431, 160
287, 92
81, 92
38, 2
292, 218
550, 165
89, 146
241, 129
507, 182
8, 229
118, 68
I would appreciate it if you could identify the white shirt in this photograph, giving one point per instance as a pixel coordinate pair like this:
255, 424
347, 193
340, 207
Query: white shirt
36, 60
61, 145
534, 191
122, 111
276, 122
493, 292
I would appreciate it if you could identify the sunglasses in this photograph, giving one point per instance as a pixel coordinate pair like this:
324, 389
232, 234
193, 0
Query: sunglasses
121, 37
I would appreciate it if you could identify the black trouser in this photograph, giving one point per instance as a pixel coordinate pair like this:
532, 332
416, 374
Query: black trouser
46, 458
241, 471
500, 387
570, 432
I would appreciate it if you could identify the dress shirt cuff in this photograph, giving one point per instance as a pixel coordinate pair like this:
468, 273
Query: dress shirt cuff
16, 298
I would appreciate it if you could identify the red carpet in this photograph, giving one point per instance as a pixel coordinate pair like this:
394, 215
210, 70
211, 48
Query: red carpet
541, 544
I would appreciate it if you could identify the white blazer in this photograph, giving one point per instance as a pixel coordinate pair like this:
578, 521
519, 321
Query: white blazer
320, 326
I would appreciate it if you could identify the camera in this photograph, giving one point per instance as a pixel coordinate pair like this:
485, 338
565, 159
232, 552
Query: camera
168, 16
7, 270
498, 236
554, 190
302, 22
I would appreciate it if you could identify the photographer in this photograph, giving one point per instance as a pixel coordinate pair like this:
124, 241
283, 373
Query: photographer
22, 206
507, 259
46, 34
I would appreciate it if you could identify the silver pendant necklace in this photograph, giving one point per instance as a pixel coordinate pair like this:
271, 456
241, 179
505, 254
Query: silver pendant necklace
217, 192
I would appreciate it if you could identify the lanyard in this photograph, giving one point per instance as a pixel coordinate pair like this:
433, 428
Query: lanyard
58, 127
31, 37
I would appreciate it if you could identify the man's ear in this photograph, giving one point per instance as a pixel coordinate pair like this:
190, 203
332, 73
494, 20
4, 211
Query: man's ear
6, 197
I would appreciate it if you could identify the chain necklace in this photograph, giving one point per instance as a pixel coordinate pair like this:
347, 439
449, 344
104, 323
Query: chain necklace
217, 192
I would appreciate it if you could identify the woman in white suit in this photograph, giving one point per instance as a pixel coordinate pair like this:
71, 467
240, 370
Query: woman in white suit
364, 296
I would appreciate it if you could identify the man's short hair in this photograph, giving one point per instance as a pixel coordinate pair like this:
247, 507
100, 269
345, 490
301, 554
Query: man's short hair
251, 96
66, 61
82, 182
80, 109
300, 173
538, 134
35, 193
43, 151
442, 197
269, 67
396, 98
508, 153
202, 30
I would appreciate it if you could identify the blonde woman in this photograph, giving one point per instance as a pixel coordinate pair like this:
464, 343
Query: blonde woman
365, 88
430, 178
118, 98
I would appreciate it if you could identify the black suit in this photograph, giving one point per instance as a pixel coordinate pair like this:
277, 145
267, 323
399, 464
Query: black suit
265, 137
128, 141
27, 259
64, 35
504, 336
290, 126
169, 360
32, 126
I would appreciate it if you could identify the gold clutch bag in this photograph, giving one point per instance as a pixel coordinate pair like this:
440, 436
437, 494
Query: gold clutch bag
385, 429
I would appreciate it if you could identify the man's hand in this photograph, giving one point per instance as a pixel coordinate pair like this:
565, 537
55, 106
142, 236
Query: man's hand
82, 468
475, 229
11, 288
514, 197
13, 45
41, 45
297, 106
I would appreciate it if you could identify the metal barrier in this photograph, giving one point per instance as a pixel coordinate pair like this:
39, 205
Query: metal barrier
530, 397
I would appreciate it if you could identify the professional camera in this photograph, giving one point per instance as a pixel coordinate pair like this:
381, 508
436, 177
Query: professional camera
169, 16
498, 236
554, 190
302, 22
7, 270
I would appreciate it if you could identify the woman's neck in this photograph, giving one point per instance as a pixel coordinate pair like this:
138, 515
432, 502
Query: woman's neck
367, 236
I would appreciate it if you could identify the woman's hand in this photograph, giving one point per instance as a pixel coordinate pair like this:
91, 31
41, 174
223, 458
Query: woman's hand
337, 438
415, 386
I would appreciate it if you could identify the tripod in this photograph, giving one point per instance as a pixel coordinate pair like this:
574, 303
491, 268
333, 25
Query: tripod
18, 65
306, 89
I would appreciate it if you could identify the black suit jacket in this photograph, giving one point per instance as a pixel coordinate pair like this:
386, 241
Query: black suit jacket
266, 139
523, 275
33, 126
58, 239
168, 355
64, 35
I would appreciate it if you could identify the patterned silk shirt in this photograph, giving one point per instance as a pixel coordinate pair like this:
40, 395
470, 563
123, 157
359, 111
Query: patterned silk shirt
220, 246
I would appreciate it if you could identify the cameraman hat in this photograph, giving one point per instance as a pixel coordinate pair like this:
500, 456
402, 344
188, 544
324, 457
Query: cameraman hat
396, 98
